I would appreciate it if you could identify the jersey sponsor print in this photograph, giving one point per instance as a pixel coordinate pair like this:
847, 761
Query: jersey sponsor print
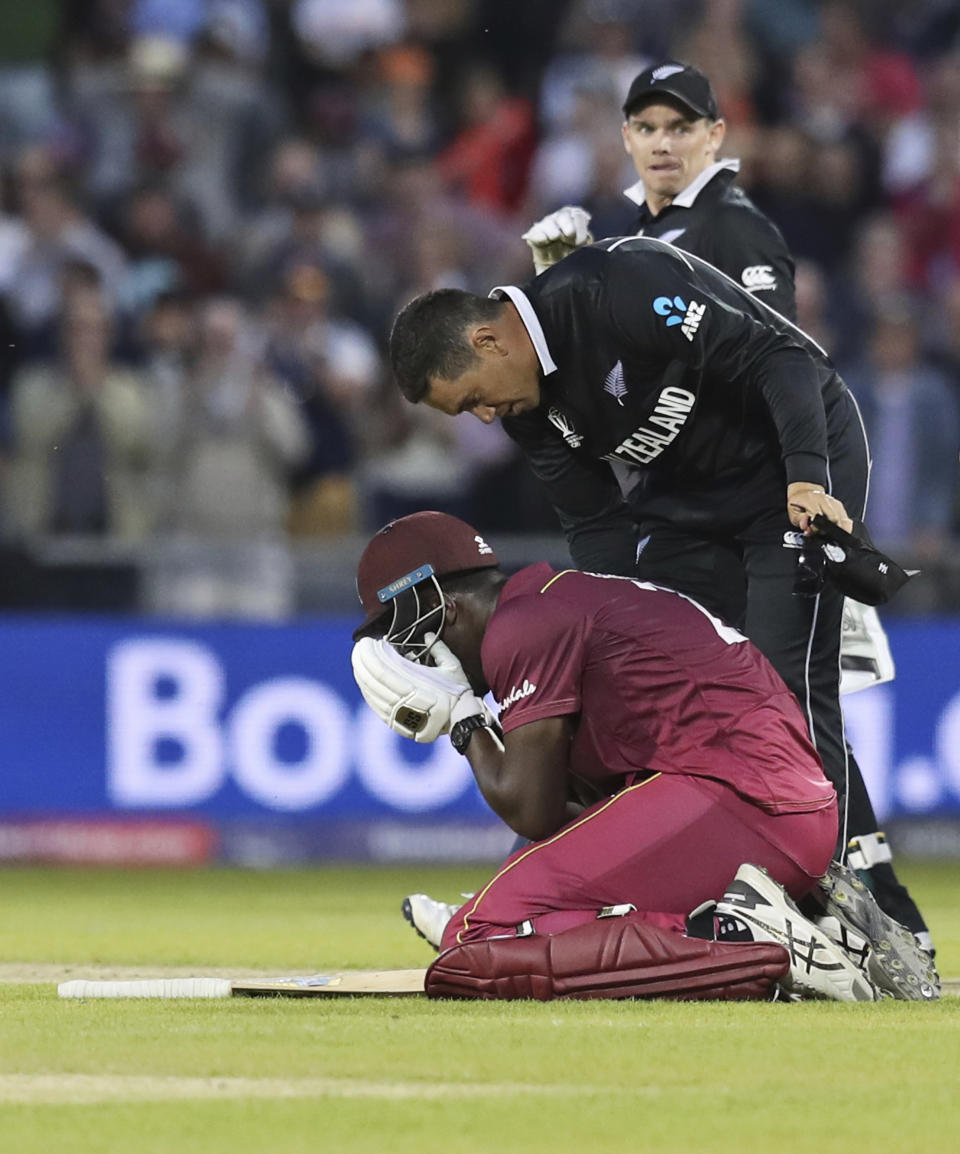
678, 312
758, 277
674, 405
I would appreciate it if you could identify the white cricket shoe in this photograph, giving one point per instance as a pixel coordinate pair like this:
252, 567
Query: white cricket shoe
887, 951
819, 968
428, 917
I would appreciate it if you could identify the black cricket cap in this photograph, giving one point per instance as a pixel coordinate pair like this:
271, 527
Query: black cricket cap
672, 78
855, 565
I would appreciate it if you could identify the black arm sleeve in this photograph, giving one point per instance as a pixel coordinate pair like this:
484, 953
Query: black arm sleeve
787, 379
593, 515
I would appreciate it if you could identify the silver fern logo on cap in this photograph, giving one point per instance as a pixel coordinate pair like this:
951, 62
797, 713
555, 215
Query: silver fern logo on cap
614, 383
666, 70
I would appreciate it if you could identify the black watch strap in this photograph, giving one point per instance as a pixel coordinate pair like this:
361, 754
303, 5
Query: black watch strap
462, 732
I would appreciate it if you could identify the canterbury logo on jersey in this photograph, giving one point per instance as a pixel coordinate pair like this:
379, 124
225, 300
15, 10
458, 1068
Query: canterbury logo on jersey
515, 695
669, 415
758, 277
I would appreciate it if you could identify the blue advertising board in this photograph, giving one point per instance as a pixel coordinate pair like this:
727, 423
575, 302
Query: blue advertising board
261, 727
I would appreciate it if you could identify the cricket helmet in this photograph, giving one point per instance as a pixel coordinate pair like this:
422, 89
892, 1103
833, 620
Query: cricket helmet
398, 575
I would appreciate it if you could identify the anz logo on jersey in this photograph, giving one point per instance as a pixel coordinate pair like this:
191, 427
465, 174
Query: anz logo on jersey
688, 316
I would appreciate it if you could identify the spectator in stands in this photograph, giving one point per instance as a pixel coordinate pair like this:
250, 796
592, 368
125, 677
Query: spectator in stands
238, 438
813, 311
400, 114
847, 79
877, 272
167, 253
81, 436
332, 368
58, 232
294, 171
719, 46
235, 439
911, 146
488, 161
913, 422
28, 109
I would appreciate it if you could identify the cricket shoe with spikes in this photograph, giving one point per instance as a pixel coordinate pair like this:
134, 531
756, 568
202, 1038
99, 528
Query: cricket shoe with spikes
819, 968
428, 917
888, 952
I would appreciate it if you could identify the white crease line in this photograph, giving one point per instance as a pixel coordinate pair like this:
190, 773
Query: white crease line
52, 1089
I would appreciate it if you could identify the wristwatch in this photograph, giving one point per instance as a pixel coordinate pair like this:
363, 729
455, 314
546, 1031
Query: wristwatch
462, 732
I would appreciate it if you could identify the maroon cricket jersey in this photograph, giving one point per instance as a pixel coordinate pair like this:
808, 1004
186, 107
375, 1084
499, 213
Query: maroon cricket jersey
657, 685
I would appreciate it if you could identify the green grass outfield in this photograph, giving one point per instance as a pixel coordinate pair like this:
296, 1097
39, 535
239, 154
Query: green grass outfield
278, 1076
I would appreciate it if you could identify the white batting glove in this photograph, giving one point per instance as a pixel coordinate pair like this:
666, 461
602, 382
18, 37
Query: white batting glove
558, 235
416, 701
447, 664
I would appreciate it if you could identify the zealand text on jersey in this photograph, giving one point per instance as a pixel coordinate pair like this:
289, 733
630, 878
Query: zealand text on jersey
670, 413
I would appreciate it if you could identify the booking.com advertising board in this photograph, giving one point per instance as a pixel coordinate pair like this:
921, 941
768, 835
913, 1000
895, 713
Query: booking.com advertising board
168, 743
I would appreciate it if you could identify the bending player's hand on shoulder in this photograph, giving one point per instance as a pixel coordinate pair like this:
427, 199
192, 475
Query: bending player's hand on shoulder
558, 235
417, 701
806, 499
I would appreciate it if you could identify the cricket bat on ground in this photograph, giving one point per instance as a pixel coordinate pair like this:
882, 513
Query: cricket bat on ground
346, 983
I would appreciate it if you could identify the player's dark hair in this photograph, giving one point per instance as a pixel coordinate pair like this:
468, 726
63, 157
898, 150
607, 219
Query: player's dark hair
428, 338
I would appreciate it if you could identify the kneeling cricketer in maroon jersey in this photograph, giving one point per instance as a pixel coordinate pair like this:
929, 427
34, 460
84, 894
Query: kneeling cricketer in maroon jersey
693, 755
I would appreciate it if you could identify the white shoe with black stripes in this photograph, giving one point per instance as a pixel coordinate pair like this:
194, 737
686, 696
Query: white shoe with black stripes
819, 967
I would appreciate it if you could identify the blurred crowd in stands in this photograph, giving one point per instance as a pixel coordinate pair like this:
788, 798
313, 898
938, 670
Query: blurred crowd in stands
211, 210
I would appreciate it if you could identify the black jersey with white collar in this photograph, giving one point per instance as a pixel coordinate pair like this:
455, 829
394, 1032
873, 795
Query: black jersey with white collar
717, 221
657, 362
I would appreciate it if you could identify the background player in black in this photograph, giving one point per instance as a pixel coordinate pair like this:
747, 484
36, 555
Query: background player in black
673, 132
730, 420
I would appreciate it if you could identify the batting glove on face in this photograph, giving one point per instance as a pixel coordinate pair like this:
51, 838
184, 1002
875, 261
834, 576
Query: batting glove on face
447, 664
558, 235
416, 701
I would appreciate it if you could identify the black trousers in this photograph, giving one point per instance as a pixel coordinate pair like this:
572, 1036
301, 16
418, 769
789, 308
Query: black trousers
733, 549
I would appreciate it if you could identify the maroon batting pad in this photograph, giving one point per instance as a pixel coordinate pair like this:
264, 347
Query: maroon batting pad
608, 958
